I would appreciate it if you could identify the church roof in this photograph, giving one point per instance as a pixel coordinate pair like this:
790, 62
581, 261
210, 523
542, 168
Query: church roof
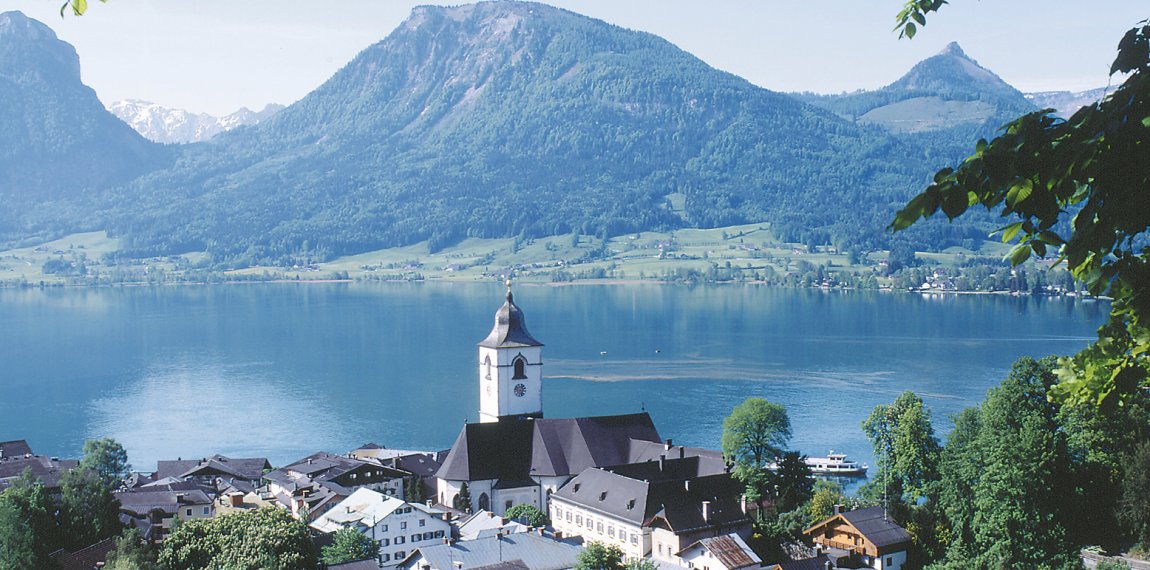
510, 330
517, 450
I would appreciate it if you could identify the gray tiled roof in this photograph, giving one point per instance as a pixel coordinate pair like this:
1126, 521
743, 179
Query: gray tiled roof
673, 492
250, 468
141, 502
510, 330
517, 450
47, 470
535, 551
874, 525
14, 448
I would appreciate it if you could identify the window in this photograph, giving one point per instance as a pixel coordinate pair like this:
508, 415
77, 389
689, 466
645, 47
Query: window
439, 534
189, 512
417, 537
385, 557
399, 554
635, 539
422, 522
206, 510
403, 525
399, 539
569, 517
578, 520
611, 531
507, 505
660, 548
384, 529
487, 366
590, 523
889, 561
484, 502
599, 527
520, 368
385, 542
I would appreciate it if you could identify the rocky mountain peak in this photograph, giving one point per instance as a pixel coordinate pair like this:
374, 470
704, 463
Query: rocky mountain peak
953, 49
28, 48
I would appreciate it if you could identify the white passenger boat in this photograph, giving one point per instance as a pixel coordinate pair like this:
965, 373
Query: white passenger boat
836, 464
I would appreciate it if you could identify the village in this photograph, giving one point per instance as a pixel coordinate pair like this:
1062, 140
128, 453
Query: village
517, 490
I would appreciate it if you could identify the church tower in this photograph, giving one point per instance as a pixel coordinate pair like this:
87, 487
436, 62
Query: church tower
510, 368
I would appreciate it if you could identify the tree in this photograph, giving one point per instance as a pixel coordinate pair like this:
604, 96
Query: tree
78, 7
349, 545
107, 458
598, 556
130, 553
905, 445
463, 499
822, 505
248, 540
27, 529
792, 482
756, 430
1009, 470
413, 491
641, 564
89, 511
1135, 502
1093, 168
527, 514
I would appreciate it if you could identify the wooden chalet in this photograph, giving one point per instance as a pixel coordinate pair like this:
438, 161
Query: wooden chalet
865, 537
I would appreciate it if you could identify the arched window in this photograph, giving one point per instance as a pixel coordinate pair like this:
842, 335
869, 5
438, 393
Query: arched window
487, 366
520, 368
456, 503
484, 502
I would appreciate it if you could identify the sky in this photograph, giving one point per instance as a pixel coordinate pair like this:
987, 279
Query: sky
216, 56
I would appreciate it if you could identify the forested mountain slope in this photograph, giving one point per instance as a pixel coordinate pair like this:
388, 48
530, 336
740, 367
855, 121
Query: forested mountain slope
509, 118
57, 143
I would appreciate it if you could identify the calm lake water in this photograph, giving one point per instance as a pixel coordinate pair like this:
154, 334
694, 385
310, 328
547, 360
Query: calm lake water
282, 370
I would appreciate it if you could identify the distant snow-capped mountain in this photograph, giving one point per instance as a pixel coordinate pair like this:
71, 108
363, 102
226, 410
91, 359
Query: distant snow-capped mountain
1067, 102
167, 125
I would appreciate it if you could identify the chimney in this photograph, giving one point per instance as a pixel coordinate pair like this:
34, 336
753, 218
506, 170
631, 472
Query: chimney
667, 446
743, 503
662, 462
682, 452
707, 512
838, 509
686, 484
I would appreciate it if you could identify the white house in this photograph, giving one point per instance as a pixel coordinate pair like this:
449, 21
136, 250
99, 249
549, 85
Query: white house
399, 526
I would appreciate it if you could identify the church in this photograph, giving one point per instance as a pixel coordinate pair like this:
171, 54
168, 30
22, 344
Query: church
515, 455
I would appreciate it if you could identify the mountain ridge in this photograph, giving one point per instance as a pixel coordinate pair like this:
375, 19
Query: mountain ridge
168, 125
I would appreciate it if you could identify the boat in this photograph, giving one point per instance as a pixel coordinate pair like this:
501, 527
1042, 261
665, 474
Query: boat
836, 464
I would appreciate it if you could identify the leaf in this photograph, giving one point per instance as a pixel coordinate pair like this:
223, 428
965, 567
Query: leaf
909, 30
1008, 232
1019, 254
1019, 192
919, 17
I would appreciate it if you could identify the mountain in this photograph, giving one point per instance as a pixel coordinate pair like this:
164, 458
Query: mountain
57, 143
513, 118
167, 125
1065, 103
943, 92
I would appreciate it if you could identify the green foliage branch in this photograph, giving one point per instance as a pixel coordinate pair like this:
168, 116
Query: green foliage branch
1093, 169
599, 556
528, 513
349, 545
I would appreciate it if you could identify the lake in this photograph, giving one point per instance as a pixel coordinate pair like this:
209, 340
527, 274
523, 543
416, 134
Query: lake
283, 370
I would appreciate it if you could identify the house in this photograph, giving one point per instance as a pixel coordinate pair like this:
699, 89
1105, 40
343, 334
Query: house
312, 485
399, 526
514, 455
863, 535
529, 550
153, 508
48, 470
211, 469
88, 558
486, 524
727, 552
655, 508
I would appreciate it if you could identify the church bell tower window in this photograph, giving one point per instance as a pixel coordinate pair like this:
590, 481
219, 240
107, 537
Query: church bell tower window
520, 368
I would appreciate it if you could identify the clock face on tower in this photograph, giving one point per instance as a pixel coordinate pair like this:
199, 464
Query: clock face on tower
520, 390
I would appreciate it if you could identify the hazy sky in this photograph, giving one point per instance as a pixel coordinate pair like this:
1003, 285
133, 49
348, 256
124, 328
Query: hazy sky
218, 55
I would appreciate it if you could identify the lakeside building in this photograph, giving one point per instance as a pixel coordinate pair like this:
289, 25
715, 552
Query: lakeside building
398, 525
865, 537
522, 551
314, 484
662, 509
16, 456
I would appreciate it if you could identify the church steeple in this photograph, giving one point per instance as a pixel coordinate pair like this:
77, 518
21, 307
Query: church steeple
510, 368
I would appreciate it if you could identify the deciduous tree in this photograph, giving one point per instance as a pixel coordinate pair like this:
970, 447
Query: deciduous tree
904, 443
89, 512
599, 556
349, 545
527, 514
107, 458
756, 430
248, 540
